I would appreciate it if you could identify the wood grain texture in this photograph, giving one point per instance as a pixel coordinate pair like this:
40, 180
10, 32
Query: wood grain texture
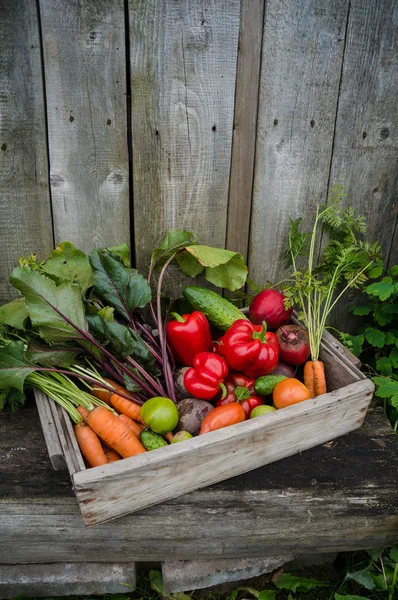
245, 124
85, 74
183, 70
54, 448
124, 487
60, 579
365, 155
25, 210
301, 66
338, 496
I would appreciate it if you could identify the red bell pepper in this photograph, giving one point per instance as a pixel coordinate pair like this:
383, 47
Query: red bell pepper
188, 335
250, 348
207, 376
240, 388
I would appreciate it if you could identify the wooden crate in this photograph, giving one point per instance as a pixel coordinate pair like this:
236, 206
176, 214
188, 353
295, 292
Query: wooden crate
135, 483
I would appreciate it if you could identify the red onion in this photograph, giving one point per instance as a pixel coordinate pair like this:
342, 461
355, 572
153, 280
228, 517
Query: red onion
268, 306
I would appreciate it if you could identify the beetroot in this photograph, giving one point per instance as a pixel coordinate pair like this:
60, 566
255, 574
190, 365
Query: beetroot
294, 346
268, 306
284, 369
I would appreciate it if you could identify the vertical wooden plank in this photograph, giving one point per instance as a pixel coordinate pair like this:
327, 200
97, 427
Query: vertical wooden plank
301, 66
245, 122
25, 211
366, 140
183, 69
85, 73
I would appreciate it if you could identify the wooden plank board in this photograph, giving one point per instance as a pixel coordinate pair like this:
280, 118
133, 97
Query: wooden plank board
366, 138
245, 124
85, 74
183, 70
302, 54
25, 210
124, 487
54, 448
338, 496
61, 579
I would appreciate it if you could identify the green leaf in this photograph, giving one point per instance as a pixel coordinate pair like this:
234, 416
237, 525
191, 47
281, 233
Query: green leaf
390, 338
394, 357
382, 318
122, 288
386, 388
384, 366
394, 270
394, 550
156, 582
362, 577
375, 337
287, 581
112, 333
14, 368
381, 289
107, 313
173, 240
349, 597
223, 268
353, 342
50, 305
51, 356
363, 310
68, 263
390, 309
123, 252
12, 399
189, 264
267, 595
375, 553
14, 313
375, 271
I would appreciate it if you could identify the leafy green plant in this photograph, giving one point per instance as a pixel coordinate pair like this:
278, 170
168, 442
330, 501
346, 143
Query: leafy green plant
376, 342
347, 261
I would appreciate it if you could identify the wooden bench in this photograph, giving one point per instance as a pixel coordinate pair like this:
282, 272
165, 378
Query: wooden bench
340, 496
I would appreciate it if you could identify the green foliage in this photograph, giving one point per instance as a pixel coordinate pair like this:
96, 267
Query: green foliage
346, 262
287, 581
377, 340
68, 263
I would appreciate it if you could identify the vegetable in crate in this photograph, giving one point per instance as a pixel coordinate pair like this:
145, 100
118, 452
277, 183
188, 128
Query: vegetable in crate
266, 384
218, 310
151, 440
268, 306
159, 414
223, 416
249, 348
261, 410
294, 345
240, 388
188, 335
206, 377
289, 391
191, 412
346, 262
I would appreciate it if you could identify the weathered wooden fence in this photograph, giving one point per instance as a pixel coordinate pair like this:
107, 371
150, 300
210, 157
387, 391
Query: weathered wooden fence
120, 119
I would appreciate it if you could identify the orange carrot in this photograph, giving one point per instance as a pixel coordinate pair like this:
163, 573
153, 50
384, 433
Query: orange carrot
168, 436
314, 377
83, 412
90, 445
104, 394
114, 432
111, 455
136, 428
128, 408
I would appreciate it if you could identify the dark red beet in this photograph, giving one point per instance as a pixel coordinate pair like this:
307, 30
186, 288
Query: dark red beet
268, 306
294, 346
284, 369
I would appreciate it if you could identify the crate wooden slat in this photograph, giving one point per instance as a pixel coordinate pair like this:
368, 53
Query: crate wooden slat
120, 488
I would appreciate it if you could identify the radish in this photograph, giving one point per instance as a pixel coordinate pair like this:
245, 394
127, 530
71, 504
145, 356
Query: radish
294, 345
268, 306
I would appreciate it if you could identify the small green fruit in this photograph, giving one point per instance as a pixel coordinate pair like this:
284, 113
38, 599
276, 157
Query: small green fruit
159, 414
181, 436
261, 410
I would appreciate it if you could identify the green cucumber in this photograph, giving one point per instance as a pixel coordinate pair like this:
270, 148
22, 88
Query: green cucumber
265, 385
151, 440
217, 309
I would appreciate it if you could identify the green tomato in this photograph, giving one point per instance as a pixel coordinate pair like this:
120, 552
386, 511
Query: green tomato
261, 410
181, 436
159, 414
